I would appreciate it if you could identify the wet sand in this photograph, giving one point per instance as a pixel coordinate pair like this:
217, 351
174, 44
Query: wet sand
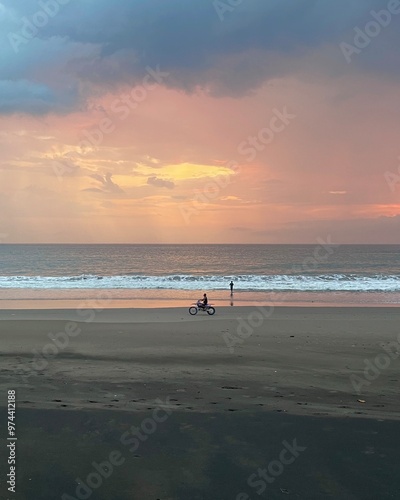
233, 387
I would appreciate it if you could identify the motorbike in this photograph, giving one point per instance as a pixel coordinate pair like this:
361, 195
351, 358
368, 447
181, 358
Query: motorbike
199, 306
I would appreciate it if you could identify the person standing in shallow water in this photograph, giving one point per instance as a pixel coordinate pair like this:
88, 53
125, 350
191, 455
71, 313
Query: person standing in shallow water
231, 287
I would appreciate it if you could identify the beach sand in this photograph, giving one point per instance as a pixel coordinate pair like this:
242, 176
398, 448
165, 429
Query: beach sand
215, 398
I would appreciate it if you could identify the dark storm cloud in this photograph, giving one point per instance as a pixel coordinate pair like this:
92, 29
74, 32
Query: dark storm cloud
32, 98
229, 53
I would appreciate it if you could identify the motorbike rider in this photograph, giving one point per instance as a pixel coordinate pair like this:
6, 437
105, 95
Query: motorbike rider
202, 303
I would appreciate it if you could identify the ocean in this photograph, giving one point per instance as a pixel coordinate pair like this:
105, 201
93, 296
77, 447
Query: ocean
156, 275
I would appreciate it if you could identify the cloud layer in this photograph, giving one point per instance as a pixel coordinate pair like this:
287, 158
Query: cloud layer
189, 121
97, 45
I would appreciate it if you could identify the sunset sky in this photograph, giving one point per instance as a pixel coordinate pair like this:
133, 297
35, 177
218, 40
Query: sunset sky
188, 121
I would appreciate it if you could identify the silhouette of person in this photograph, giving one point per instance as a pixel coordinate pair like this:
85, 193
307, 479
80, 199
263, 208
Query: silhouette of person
231, 286
202, 303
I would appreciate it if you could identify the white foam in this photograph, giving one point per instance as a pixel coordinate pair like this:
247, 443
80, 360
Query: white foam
317, 283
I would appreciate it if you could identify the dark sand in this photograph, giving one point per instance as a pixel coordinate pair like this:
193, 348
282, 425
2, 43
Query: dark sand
227, 411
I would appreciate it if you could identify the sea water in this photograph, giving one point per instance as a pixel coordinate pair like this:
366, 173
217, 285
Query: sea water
133, 275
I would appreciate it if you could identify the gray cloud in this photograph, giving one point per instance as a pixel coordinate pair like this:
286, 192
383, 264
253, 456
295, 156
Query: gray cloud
107, 185
106, 44
33, 98
155, 181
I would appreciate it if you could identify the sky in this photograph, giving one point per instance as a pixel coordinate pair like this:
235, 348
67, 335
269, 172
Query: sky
199, 121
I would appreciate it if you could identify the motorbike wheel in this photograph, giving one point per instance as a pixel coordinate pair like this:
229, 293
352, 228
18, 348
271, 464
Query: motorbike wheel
193, 310
210, 311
